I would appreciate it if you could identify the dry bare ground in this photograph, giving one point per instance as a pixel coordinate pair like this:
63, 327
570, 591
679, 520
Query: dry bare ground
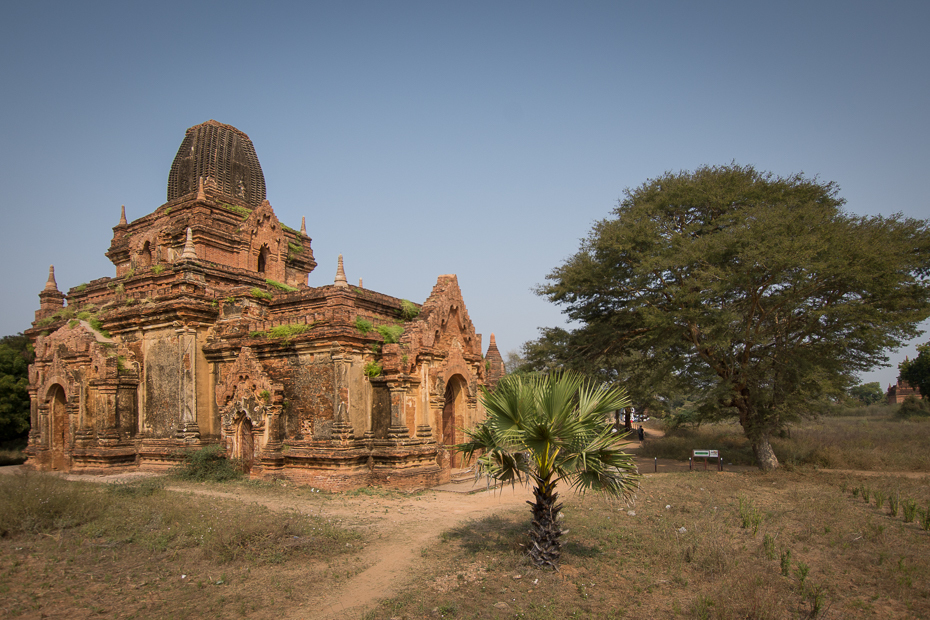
398, 528
400, 534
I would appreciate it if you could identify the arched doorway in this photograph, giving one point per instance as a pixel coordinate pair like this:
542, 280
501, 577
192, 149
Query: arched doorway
263, 258
453, 410
145, 257
60, 427
244, 444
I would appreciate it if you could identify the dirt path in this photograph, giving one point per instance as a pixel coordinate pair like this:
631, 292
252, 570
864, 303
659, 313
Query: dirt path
397, 528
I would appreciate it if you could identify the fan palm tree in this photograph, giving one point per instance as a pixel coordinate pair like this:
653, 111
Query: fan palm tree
547, 429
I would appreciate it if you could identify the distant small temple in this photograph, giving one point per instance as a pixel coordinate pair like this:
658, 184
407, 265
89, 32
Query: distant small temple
899, 391
210, 334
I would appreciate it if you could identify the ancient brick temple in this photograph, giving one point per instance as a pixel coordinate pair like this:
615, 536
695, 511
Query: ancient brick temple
209, 333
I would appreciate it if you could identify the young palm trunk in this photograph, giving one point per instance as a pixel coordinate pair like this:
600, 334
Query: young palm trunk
545, 548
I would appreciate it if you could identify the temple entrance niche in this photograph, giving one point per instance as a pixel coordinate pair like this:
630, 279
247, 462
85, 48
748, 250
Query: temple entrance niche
263, 258
453, 415
145, 257
61, 427
244, 444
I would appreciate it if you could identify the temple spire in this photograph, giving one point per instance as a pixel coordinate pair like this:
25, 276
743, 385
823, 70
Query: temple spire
51, 285
303, 226
122, 215
189, 250
200, 194
341, 275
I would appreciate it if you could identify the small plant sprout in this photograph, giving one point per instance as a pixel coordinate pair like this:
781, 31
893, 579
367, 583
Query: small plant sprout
785, 562
925, 518
879, 498
750, 516
910, 510
866, 493
768, 546
855, 492
801, 571
893, 503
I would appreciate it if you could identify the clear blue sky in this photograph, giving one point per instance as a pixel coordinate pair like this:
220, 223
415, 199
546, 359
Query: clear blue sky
422, 138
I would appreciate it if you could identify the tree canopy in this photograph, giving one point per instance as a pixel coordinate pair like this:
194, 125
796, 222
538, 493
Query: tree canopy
756, 294
917, 371
867, 393
15, 356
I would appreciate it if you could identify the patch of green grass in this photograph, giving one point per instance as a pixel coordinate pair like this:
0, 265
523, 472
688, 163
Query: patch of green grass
363, 326
260, 294
157, 269
287, 288
285, 332
372, 369
240, 211
293, 249
390, 333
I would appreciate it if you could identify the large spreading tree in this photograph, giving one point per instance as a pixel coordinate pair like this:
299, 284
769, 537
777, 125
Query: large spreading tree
755, 293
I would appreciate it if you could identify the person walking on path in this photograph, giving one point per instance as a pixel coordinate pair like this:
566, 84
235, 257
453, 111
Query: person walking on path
641, 433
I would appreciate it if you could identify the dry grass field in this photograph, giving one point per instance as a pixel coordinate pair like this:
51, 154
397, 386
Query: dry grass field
798, 543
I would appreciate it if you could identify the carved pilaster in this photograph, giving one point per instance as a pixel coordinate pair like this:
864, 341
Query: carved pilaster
188, 431
107, 422
342, 431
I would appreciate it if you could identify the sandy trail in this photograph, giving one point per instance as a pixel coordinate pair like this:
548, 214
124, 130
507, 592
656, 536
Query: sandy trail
397, 528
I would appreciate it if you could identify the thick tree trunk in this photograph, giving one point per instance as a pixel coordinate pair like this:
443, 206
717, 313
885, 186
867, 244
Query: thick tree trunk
765, 456
545, 547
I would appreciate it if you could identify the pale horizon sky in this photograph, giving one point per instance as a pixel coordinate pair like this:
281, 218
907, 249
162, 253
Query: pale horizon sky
422, 138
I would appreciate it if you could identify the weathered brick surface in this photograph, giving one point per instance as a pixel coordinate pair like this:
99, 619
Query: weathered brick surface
194, 342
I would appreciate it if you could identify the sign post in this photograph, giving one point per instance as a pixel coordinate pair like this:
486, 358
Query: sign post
706, 454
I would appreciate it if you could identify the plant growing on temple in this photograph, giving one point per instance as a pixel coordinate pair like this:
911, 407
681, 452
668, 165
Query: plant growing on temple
409, 310
547, 429
756, 295
362, 325
281, 286
390, 333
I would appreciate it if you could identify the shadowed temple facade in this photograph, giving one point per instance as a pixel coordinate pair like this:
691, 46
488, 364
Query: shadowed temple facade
209, 333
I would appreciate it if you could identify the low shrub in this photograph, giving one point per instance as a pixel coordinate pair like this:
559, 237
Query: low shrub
362, 325
208, 464
913, 407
